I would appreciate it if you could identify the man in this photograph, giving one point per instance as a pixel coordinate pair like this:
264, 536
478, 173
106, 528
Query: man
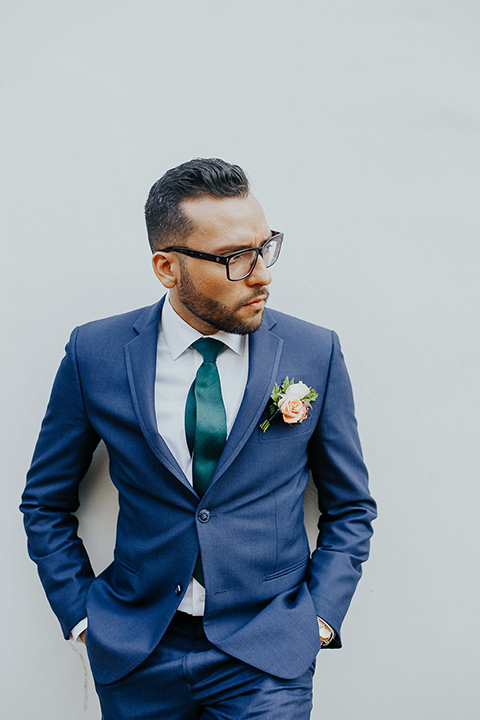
213, 606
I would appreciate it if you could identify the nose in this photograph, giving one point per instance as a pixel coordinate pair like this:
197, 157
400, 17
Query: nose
260, 274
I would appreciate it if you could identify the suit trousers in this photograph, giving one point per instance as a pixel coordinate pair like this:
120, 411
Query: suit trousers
187, 678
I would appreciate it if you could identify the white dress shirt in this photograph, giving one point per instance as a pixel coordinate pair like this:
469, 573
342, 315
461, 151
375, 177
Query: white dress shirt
177, 365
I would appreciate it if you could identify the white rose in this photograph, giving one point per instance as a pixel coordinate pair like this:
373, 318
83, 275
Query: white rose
298, 390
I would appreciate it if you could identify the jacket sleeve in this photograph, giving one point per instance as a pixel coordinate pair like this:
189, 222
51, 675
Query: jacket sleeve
346, 506
62, 455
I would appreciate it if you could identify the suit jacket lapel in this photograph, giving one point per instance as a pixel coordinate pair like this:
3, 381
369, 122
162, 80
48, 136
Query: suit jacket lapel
264, 357
140, 356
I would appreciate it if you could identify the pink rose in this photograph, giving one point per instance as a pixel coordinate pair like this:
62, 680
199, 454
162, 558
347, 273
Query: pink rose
293, 409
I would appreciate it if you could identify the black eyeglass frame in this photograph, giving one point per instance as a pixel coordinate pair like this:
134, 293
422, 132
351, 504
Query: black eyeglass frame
225, 259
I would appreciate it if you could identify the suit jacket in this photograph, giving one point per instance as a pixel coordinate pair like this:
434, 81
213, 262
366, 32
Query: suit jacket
263, 588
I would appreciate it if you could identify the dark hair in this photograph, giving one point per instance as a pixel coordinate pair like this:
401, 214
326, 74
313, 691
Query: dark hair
167, 224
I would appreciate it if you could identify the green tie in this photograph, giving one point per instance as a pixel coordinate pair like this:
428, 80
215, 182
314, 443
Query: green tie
205, 421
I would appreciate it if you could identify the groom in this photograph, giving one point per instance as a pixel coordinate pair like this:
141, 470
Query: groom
213, 606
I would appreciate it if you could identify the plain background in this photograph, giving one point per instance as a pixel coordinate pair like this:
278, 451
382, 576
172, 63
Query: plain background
358, 124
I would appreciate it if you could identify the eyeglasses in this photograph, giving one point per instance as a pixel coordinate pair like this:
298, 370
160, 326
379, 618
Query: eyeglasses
242, 263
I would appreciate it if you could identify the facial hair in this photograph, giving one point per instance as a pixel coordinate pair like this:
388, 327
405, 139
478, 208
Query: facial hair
216, 313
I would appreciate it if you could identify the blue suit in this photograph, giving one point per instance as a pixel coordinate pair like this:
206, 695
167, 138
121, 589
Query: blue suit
264, 589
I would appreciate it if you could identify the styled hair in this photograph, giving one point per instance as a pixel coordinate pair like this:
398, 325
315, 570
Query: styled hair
167, 224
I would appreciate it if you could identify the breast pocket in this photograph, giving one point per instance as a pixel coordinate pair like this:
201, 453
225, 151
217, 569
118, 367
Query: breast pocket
279, 430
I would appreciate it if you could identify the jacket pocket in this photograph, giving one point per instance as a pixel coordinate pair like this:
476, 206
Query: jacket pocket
287, 571
125, 565
280, 430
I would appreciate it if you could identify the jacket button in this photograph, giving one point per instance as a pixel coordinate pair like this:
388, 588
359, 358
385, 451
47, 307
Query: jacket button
204, 516
178, 589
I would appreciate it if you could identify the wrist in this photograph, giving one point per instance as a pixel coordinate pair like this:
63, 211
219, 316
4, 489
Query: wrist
326, 632
77, 632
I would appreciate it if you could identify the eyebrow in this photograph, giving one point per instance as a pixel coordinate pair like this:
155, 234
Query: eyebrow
227, 249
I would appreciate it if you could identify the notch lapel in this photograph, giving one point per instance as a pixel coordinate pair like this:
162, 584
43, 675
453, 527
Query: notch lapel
140, 357
265, 349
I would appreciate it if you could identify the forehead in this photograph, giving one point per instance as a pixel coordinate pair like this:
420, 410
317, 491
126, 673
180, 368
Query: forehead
227, 221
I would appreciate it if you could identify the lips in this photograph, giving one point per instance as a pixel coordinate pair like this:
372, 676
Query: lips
257, 301
257, 305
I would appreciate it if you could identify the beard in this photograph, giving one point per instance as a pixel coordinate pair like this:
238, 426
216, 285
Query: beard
215, 313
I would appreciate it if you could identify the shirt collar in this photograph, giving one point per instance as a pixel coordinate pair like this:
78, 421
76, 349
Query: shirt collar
179, 335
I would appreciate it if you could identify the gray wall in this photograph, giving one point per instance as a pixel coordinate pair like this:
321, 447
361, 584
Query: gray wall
358, 123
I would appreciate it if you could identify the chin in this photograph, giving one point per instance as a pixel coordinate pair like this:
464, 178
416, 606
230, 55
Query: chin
238, 325
251, 325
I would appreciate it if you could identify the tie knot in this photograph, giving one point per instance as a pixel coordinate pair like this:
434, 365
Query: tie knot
209, 348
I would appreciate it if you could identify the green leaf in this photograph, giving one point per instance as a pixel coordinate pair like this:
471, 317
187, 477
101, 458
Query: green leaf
286, 384
310, 396
275, 393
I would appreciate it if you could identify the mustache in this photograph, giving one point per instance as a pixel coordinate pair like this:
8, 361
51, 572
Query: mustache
259, 293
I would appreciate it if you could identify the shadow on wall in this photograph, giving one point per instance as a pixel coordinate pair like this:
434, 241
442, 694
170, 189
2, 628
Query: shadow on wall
310, 511
98, 511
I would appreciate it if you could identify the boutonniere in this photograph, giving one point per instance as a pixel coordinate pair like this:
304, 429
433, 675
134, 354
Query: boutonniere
292, 400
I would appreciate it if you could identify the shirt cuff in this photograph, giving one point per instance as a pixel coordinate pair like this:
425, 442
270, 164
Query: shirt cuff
329, 627
76, 631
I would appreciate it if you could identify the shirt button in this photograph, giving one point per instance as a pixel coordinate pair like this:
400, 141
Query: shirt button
204, 516
178, 589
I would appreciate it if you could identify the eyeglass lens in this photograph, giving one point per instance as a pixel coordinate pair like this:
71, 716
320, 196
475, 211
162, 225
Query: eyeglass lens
242, 265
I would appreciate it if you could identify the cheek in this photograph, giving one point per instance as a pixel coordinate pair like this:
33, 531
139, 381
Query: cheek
217, 287
206, 283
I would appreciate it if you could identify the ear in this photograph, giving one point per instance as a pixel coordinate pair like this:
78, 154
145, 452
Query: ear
165, 267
